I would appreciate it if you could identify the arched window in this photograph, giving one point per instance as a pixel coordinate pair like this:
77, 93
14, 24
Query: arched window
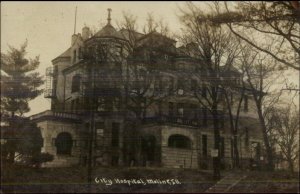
179, 141
63, 143
76, 83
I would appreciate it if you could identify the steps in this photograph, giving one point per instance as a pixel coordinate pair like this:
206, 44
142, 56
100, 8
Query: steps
227, 182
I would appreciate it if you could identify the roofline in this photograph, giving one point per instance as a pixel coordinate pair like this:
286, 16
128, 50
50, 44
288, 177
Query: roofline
55, 59
146, 35
81, 62
99, 37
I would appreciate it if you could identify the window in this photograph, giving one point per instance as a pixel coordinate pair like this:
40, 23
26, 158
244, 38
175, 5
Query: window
255, 149
80, 53
180, 86
116, 104
246, 104
115, 134
101, 104
180, 109
222, 147
204, 145
119, 50
74, 56
179, 141
75, 83
171, 109
99, 126
77, 107
99, 131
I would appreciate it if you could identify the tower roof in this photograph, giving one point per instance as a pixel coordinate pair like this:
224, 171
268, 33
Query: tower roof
108, 30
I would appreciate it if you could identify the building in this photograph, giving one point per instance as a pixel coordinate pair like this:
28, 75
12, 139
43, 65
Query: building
133, 95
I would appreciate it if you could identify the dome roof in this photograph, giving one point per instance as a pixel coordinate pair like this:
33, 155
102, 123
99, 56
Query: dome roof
109, 31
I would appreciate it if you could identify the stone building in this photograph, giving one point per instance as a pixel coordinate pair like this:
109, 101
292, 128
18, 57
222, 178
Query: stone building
136, 104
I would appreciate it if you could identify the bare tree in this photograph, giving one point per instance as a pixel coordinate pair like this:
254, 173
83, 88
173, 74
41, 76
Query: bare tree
234, 96
154, 25
285, 124
261, 75
270, 27
140, 76
215, 50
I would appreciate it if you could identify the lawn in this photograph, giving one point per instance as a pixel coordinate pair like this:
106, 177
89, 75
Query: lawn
268, 182
74, 180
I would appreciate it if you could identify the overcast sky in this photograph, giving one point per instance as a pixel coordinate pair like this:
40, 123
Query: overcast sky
48, 26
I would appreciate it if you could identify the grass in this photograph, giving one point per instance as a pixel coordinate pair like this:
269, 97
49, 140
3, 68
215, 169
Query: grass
268, 182
74, 180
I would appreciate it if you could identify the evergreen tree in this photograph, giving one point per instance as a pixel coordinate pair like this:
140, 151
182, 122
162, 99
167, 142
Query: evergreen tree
19, 83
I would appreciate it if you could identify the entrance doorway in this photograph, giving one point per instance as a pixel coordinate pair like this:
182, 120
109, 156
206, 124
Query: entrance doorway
63, 144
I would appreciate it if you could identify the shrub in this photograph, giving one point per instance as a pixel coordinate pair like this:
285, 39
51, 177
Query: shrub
40, 158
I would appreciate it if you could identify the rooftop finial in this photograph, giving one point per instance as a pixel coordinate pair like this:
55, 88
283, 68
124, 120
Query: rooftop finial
108, 19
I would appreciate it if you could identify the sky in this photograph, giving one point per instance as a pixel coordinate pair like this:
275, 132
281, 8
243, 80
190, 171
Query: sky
48, 26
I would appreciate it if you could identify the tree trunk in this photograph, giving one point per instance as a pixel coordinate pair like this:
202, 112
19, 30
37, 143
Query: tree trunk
12, 147
291, 165
268, 147
216, 160
236, 151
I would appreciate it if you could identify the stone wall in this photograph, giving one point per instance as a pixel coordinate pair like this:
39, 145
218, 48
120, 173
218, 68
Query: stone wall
50, 130
179, 157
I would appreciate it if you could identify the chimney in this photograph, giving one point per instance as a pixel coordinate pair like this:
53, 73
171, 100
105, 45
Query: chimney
85, 32
74, 38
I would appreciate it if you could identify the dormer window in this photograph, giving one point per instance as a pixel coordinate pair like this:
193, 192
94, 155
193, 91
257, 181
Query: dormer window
74, 56
76, 83
80, 53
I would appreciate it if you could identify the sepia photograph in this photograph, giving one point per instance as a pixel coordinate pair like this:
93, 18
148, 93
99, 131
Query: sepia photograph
150, 96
